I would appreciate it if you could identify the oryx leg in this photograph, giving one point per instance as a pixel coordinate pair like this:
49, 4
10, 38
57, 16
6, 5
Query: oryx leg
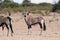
29, 29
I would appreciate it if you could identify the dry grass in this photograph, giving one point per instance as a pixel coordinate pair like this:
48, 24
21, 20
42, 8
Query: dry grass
20, 30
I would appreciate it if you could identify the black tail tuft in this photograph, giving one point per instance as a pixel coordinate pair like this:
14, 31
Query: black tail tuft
44, 27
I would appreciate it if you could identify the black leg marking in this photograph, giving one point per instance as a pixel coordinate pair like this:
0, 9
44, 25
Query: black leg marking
3, 29
11, 29
40, 25
44, 28
41, 28
29, 27
7, 29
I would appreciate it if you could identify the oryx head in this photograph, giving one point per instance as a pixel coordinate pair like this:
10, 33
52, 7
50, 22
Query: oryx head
25, 13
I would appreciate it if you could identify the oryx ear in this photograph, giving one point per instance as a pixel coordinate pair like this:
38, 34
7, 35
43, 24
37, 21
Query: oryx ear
28, 13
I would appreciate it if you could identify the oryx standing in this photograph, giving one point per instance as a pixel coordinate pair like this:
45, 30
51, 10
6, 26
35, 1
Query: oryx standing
30, 20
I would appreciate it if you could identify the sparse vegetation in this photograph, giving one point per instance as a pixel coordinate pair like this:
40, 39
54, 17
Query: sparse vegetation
26, 5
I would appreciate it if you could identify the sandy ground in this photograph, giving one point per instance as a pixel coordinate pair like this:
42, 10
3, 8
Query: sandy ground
20, 29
